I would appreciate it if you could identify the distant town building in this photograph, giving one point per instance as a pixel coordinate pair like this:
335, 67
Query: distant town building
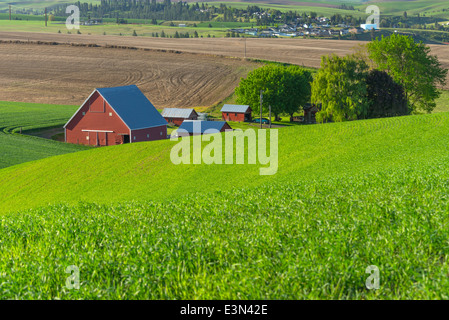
368, 26
356, 30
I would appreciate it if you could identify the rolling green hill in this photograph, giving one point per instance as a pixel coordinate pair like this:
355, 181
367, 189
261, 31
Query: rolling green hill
36, 4
346, 196
144, 171
435, 8
15, 148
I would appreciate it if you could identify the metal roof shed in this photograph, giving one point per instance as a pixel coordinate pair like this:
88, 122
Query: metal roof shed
197, 127
236, 108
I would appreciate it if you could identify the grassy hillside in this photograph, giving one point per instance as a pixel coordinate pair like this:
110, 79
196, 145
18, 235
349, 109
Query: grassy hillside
346, 196
144, 170
413, 7
39, 5
15, 148
443, 102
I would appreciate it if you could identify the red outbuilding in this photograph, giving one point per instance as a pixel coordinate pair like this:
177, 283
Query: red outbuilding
178, 115
234, 112
118, 115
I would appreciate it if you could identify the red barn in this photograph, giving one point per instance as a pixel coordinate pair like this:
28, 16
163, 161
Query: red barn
233, 112
177, 115
111, 116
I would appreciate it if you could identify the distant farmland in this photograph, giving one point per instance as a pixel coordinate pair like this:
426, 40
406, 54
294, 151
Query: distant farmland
305, 52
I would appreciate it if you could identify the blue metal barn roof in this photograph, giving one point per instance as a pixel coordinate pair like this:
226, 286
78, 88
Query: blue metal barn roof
234, 108
133, 107
176, 113
199, 126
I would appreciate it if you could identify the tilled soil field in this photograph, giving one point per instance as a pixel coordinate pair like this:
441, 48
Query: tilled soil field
64, 74
172, 72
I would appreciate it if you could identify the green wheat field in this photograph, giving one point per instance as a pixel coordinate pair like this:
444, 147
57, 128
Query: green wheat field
346, 196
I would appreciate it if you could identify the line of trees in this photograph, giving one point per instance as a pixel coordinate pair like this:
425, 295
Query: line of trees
167, 10
391, 76
394, 76
146, 9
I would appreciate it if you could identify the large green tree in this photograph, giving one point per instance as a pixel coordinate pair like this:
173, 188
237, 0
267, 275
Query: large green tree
412, 66
340, 87
386, 97
285, 88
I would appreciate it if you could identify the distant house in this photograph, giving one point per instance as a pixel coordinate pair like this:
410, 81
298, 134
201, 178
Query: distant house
234, 112
118, 115
178, 115
181, 25
356, 30
266, 33
199, 127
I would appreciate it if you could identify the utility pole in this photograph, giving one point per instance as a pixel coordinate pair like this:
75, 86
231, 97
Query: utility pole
269, 107
261, 100
45, 16
9, 12
245, 48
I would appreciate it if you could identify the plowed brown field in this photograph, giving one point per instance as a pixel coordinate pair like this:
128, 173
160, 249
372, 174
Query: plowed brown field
63, 74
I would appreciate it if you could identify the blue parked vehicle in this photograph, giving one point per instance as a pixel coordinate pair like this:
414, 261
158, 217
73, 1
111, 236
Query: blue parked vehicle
264, 121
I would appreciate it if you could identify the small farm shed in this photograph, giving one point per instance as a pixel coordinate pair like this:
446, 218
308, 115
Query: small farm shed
178, 115
117, 115
309, 112
235, 112
198, 127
